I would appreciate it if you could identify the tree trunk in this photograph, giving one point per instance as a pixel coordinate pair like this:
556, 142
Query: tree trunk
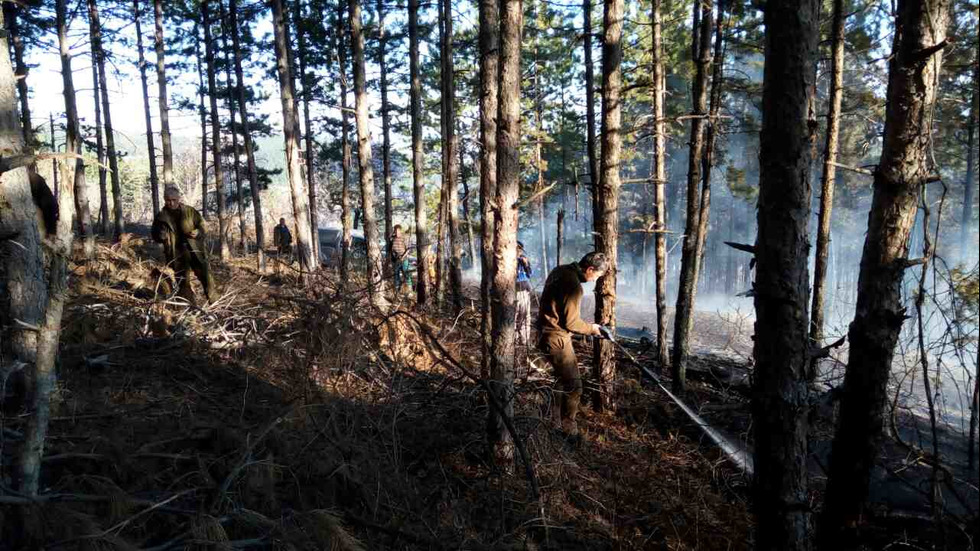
10, 12
385, 126
99, 155
375, 274
904, 168
151, 152
304, 80
253, 179
660, 183
538, 145
239, 192
780, 392
590, 102
560, 236
98, 52
23, 293
219, 177
345, 210
971, 158
294, 164
451, 161
418, 180
54, 162
502, 291
464, 180
974, 415
489, 74
828, 181
606, 221
691, 255
202, 112
717, 84
168, 153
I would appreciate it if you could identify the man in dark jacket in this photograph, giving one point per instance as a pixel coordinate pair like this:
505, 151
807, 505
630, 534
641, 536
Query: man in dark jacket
282, 238
558, 319
180, 228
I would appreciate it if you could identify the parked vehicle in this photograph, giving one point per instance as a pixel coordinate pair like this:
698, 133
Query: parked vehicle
331, 244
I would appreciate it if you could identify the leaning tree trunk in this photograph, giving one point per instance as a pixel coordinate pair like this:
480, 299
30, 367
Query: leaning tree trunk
590, 102
253, 178
202, 113
99, 155
782, 351
294, 163
903, 171
660, 183
235, 156
489, 69
151, 152
828, 181
23, 293
502, 291
969, 183
345, 210
219, 177
385, 125
304, 80
691, 255
606, 221
376, 283
98, 52
165, 142
451, 162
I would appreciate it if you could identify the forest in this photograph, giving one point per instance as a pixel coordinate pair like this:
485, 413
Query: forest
489, 274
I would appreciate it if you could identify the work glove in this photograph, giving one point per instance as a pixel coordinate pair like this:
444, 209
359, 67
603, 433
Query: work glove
606, 333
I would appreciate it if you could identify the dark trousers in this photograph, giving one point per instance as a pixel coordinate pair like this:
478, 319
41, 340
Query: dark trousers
561, 353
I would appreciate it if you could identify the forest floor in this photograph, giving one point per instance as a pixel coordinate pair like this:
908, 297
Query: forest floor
293, 417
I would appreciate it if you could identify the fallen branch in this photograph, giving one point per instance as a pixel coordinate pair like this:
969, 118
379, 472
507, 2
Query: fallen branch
741, 247
520, 204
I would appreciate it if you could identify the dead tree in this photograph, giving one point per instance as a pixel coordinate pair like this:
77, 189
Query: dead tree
502, 290
253, 179
904, 168
219, 177
606, 220
828, 180
148, 120
660, 183
782, 350
489, 72
98, 52
691, 249
365, 172
294, 163
165, 141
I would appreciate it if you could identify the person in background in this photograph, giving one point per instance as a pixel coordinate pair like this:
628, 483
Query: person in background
523, 302
558, 319
399, 259
180, 228
282, 238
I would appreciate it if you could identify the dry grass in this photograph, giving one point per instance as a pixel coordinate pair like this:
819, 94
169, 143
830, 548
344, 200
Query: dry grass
288, 417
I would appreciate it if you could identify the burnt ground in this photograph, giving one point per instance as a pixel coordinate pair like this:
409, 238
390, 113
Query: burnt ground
289, 417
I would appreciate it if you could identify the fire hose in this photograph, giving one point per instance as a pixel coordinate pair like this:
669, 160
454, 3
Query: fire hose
737, 455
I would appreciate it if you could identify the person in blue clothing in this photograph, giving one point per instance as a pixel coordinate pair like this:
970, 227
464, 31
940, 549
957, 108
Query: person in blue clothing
523, 320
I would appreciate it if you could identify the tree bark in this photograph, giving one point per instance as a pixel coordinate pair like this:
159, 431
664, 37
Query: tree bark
10, 12
465, 201
202, 112
253, 178
239, 192
99, 154
54, 149
345, 209
98, 52
219, 177
73, 140
451, 162
904, 168
782, 351
304, 80
151, 152
828, 181
502, 291
489, 74
375, 274
969, 183
559, 235
606, 221
660, 185
590, 103
707, 161
691, 255
538, 138
385, 126
165, 142
294, 163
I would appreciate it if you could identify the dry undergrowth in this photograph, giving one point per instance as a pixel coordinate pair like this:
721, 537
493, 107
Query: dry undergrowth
289, 417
